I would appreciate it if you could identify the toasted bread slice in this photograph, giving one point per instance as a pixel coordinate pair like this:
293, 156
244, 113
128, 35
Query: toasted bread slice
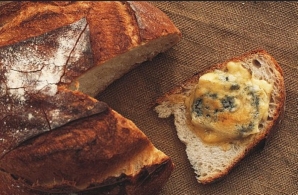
213, 161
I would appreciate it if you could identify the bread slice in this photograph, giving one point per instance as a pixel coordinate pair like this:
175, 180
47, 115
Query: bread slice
122, 35
213, 161
55, 137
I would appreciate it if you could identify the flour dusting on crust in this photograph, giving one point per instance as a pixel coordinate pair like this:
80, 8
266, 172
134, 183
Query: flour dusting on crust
27, 71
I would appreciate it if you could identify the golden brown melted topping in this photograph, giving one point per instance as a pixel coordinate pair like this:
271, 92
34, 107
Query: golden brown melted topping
228, 105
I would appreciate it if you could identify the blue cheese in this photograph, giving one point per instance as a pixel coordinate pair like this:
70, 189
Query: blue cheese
228, 105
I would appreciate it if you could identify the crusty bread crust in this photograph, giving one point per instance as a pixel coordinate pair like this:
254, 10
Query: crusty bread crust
165, 106
149, 181
135, 22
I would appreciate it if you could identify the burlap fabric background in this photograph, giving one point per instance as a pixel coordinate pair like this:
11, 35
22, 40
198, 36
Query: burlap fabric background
213, 32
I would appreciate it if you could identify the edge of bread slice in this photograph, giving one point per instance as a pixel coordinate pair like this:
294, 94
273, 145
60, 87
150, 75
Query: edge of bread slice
212, 162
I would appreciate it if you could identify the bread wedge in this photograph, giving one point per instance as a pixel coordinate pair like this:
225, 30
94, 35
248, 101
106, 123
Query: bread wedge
212, 161
101, 152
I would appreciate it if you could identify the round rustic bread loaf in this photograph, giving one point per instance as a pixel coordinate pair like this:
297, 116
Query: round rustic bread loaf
54, 58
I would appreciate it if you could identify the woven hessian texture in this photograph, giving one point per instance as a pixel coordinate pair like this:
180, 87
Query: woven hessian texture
213, 32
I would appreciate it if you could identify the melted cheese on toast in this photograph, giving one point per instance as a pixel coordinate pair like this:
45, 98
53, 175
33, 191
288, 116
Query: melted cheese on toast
228, 105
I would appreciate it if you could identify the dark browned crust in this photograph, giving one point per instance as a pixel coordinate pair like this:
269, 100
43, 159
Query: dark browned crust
259, 141
8, 11
108, 37
148, 181
71, 106
152, 22
30, 19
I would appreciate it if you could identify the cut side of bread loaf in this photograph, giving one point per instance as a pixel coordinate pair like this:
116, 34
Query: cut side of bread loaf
213, 161
54, 136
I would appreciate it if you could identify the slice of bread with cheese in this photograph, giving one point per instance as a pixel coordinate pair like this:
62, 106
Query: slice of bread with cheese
224, 112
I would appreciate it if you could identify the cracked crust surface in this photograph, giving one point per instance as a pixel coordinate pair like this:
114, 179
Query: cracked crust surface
32, 102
